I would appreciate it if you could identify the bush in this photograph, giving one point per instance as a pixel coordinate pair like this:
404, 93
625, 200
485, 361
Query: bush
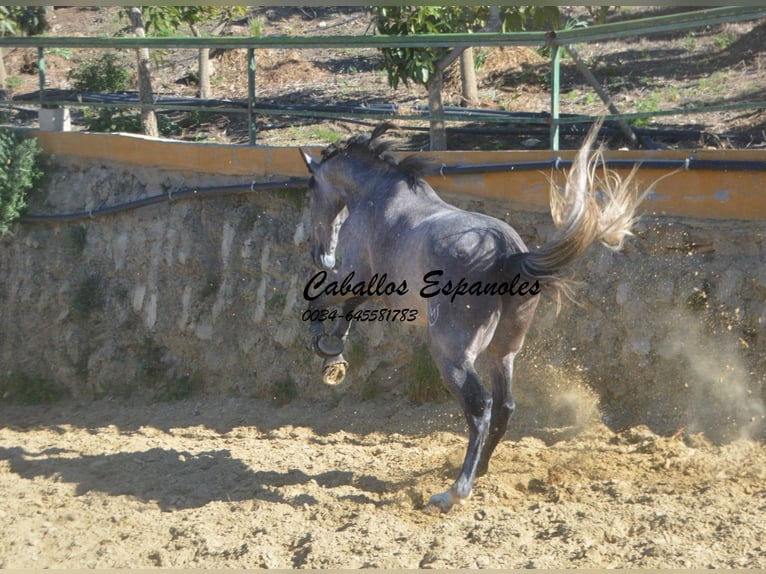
19, 172
424, 382
110, 120
105, 74
28, 390
102, 74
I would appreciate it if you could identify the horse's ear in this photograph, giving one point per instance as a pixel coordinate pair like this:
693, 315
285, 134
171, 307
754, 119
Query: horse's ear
310, 162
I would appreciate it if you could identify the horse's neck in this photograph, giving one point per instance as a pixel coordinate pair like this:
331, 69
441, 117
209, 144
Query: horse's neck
360, 185
394, 195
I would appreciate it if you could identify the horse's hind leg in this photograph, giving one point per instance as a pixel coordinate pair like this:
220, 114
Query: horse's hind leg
463, 381
503, 407
507, 341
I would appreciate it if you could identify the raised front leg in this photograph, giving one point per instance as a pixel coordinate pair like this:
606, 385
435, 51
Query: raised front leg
464, 382
330, 346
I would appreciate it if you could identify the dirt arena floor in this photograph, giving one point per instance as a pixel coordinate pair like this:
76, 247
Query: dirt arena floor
230, 482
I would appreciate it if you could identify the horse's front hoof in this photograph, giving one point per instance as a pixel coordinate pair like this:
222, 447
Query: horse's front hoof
328, 345
333, 373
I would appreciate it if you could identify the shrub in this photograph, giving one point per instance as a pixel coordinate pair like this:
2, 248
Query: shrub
105, 74
28, 390
423, 378
19, 172
284, 391
110, 120
102, 74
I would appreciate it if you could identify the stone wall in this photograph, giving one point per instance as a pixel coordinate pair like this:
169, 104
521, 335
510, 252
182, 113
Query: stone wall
206, 294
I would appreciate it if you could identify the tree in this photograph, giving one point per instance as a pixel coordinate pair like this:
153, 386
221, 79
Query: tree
194, 16
163, 21
166, 20
25, 20
145, 91
426, 65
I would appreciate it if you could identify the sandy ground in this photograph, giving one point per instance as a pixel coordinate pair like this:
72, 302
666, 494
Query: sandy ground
231, 482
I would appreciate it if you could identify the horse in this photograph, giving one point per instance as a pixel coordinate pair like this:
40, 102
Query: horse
468, 278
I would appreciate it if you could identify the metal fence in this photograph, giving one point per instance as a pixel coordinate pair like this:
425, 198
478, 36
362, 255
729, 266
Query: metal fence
558, 42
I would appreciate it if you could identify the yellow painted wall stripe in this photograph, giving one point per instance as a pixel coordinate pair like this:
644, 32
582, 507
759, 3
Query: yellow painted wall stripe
691, 193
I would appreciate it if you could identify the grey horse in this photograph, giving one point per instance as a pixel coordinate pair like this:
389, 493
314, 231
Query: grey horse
468, 278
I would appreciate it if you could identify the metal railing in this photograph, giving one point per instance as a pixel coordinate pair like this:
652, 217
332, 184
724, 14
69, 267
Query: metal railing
555, 40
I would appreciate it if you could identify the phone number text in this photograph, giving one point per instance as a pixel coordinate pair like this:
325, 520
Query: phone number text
371, 315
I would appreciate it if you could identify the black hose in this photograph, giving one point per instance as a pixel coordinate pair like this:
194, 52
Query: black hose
558, 163
527, 123
690, 163
160, 198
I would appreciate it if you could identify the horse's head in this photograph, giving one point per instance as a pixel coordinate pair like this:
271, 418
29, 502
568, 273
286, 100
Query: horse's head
328, 212
349, 172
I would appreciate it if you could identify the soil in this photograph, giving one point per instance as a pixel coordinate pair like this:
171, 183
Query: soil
227, 482
716, 65
238, 482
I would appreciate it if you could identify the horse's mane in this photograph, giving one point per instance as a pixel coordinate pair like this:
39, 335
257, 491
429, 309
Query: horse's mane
375, 147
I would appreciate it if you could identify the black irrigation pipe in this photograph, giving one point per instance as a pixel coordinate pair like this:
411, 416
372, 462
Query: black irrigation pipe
190, 193
516, 123
690, 163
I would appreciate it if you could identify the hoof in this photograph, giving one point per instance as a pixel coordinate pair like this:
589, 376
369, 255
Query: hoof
328, 345
443, 502
334, 373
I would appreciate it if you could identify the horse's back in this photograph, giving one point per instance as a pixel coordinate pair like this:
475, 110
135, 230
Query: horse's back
475, 239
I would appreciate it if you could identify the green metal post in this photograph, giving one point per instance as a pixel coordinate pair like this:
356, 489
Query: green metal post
251, 93
555, 86
41, 73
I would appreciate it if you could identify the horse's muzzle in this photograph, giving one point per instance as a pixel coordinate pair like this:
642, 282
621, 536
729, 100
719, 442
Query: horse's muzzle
323, 260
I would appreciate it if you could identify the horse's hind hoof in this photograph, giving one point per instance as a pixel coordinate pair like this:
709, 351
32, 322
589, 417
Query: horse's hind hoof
334, 373
443, 502
328, 346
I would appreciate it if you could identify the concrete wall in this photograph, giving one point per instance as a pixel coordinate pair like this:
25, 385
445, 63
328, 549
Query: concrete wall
207, 293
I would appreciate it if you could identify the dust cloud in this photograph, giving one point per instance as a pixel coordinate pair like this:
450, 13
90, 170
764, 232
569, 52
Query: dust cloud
719, 395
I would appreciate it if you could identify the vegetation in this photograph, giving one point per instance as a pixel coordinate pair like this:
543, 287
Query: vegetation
28, 390
19, 172
284, 391
699, 299
177, 389
423, 379
107, 75
166, 20
76, 238
88, 296
425, 66
102, 74
20, 20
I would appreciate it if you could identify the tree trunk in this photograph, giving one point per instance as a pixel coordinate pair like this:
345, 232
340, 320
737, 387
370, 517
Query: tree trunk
468, 79
203, 91
438, 129
3, 73
145, 91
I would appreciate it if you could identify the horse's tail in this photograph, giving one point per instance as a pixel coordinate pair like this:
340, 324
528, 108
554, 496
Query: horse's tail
596, 204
